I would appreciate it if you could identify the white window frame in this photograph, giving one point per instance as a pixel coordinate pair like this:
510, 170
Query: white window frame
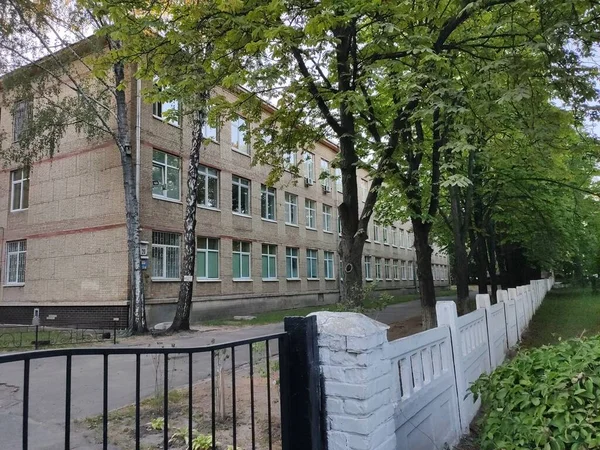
240, 183
243, 254
269, 252
328, 265
22, 182
163, 247
290, 159
159, 109
291, 256
411, 270
387, 269
210, 132
22, 111
327, 218
378, 269
291, 209
403, 270
203, 252
242, 146
338, 180
164, 167
312, 261
394, 237
325, 179
309, 166
16, 251
395, 269
208, 173
376, 234
368, 267
384, 230
268, 196
310, 213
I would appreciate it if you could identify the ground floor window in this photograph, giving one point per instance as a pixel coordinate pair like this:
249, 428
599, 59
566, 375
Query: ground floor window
16, 252
207, 259
241, 260
165, 255
328, 265
312, 264
291, 262
269, 261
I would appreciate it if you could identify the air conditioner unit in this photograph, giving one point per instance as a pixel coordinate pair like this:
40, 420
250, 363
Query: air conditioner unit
308, 181
326, 188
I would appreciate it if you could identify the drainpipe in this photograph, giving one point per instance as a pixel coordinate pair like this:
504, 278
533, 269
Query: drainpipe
138, 150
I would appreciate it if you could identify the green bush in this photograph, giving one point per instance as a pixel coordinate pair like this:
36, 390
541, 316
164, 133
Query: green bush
546, 398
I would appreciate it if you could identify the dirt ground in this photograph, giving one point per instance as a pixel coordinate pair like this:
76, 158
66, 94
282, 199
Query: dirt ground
404, 328
121, 427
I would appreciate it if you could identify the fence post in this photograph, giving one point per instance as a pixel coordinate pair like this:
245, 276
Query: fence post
447, 315
303, 418
358, 382
36, 336
483, 301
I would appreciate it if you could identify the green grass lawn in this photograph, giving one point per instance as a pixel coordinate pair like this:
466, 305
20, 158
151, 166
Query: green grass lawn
564, 314
278, 316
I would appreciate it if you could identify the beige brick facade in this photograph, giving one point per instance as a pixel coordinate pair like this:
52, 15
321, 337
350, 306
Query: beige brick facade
74, 229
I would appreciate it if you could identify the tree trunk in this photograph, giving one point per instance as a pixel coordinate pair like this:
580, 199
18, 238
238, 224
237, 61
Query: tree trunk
491, 246
181, 321
137, 310
461, 258
424, 273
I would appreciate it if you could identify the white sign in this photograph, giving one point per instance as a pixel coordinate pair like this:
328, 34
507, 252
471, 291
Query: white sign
189, 278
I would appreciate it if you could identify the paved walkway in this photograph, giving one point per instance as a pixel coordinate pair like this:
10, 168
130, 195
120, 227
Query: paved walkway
47, 381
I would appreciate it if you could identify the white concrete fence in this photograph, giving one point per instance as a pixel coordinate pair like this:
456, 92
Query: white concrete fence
413, 393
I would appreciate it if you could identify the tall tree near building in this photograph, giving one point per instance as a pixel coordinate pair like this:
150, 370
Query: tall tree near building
49, 57
182, 49
383, 80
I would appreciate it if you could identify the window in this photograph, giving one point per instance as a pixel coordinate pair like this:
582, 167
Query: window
291, 262
210, 132
240, 195
166, 175
403, 269
411, 239
19, 189
363, 189
16, 252
167, 111
207, 259
310, 208
290, 159
402, 239
338, 180
394, 237
312, 264
328, 266
375, 231
388, 273
241, 260
325, 175
268, 202
443, 273
385, 236
165, 256
239, 138
309, 167
327, 218
368, 268
22, 113
411, 270
339, 222
395, 270
208, 192
269, 262
378, 268
291, 209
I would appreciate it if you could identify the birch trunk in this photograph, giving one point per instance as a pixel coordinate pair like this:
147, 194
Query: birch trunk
137, 309
181, 321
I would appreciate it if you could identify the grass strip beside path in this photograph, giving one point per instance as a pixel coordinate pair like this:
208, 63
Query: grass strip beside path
565, 313
278, 316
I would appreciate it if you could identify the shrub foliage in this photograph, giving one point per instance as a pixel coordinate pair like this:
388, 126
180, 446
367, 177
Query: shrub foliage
546, 398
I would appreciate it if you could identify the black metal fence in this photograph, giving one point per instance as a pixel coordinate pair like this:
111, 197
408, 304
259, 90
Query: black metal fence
25, 337
200, 363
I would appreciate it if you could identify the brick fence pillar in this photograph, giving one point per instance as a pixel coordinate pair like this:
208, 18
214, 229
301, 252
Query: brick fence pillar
357, 382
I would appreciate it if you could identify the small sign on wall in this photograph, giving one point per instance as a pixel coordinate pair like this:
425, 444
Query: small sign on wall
187, 278
143, 248
144, 264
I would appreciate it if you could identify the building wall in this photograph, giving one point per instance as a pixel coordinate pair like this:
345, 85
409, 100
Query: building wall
76, 238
